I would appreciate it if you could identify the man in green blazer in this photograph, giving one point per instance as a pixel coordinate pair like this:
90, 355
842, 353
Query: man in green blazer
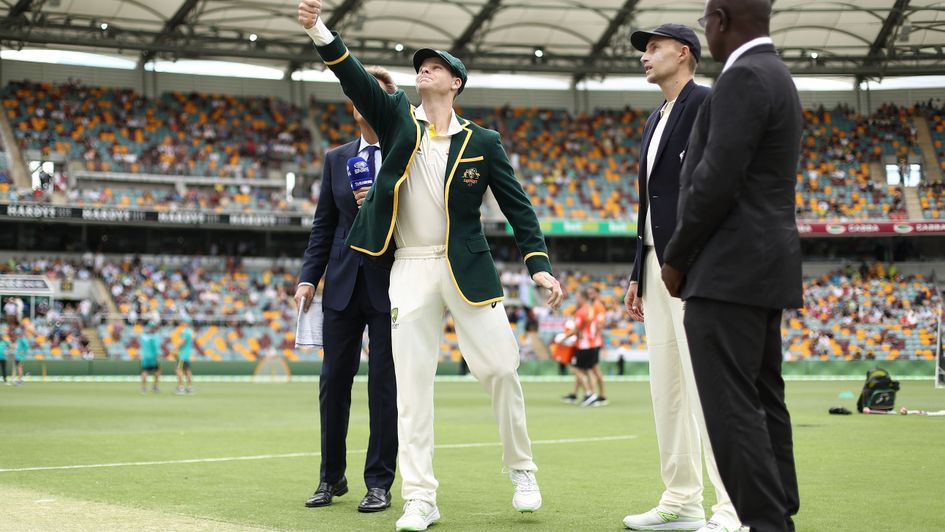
424, 206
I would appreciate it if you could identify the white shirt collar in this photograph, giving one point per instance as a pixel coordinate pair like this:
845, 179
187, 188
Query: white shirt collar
744, 48
454, 128
364, 144
667, 107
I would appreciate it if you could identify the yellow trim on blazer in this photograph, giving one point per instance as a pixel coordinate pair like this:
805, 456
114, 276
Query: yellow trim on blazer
399, 182
472, 159
336, 61
449, 180
533, 253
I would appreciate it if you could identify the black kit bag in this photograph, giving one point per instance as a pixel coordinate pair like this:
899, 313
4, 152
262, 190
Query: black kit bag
879, 391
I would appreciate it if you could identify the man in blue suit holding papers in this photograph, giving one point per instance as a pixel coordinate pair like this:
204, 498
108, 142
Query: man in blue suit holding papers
355, 296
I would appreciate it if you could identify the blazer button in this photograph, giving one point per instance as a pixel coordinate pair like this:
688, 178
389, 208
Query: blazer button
654, 196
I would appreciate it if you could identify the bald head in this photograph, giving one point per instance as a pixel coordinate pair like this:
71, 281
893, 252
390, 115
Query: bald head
754, 14
731, 23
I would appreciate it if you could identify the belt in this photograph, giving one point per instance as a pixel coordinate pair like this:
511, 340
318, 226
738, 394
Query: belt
420, 252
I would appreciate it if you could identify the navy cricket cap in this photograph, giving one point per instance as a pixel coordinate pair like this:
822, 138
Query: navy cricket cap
683, 34
457, 66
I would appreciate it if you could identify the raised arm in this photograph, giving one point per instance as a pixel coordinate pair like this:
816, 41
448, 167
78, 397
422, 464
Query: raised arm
372, 101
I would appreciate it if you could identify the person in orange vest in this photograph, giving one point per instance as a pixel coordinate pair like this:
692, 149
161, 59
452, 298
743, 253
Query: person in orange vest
588, 327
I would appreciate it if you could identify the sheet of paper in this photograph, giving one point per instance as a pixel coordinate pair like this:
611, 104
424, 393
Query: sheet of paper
308, 330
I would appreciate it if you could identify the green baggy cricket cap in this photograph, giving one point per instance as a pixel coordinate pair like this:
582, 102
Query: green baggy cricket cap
457, 66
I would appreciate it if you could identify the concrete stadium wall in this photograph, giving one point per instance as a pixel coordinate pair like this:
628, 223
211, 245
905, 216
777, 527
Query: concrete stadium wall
153, 84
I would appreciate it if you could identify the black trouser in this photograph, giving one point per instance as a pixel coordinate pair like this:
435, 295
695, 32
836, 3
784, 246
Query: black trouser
736, 358
342, 334
3, 368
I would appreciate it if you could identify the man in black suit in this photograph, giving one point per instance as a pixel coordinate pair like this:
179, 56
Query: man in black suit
735, 259
355, 296
671, 53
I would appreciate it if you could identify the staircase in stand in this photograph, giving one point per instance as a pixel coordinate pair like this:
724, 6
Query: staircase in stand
95, 342
933, 172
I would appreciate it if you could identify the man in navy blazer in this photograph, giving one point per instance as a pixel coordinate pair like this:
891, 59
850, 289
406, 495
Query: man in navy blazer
355, 296
670, 56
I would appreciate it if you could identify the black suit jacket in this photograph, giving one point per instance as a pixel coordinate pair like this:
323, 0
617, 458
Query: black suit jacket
736, 237
660, 194
326, 246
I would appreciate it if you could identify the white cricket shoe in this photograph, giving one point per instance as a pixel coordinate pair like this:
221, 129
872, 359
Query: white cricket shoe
527, 497
418, 515
660, 519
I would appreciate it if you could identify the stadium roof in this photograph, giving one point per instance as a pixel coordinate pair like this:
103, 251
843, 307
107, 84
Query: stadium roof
869, 39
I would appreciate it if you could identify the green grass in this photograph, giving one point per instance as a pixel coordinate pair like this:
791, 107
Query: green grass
856, 472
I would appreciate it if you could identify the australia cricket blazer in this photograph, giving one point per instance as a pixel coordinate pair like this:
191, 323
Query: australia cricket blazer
476, 161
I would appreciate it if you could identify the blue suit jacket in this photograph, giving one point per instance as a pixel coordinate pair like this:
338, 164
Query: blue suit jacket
661, 194
326, 246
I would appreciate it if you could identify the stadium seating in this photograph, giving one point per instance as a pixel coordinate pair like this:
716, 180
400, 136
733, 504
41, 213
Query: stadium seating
334, 121
48, 340
238, 313
575, 167
619, 331
834, 181
932, 201
935, 117
869, 314
120, 130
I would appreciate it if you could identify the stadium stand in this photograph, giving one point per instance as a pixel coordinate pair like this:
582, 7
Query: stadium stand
834, 182
120, 130
868, 313
574, 167
932, 200
56, 331
244, 313
238, 314
936, 122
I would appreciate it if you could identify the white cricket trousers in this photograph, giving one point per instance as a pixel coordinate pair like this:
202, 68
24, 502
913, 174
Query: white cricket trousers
421, 289
680, 426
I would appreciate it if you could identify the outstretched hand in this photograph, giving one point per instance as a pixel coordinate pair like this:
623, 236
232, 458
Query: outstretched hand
546, 280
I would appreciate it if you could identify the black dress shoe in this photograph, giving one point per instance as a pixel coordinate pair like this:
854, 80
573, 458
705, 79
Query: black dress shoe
325, 491
376, 500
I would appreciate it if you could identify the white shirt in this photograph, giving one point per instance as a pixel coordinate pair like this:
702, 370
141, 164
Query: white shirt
320, 33
363, 152
421, 215
651, 151
744, 48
